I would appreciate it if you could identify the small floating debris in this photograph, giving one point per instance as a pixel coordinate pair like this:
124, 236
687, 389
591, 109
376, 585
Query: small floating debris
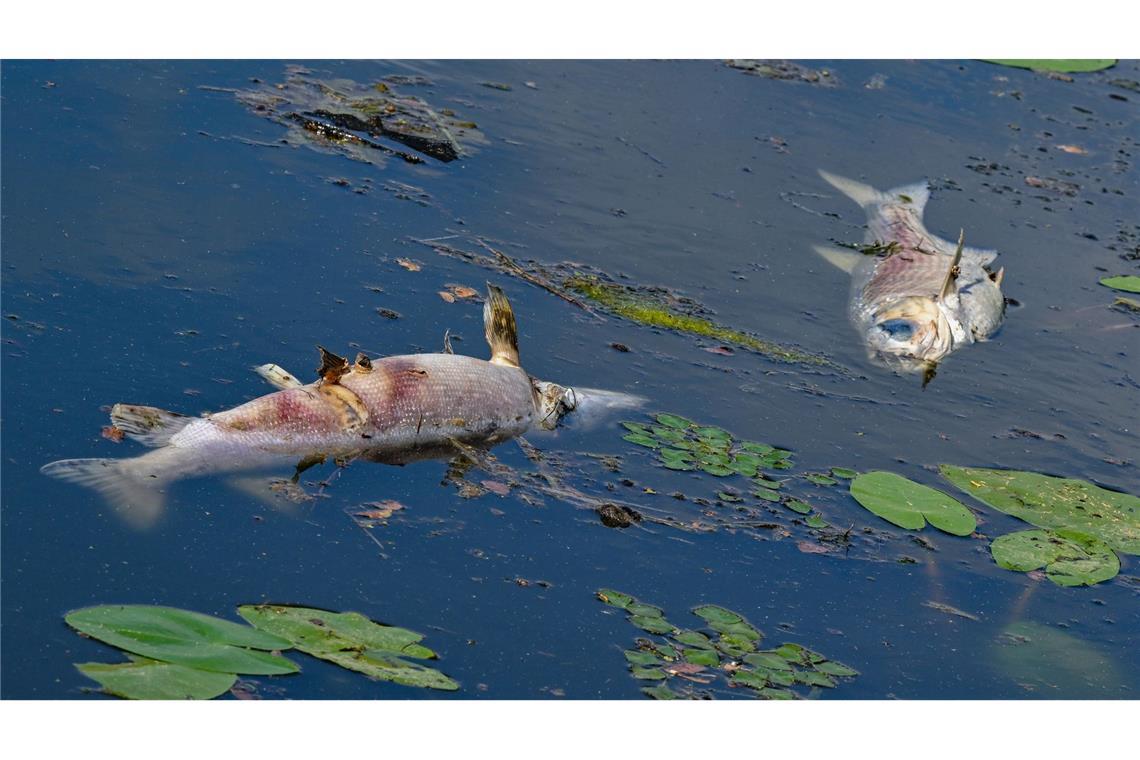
785, 70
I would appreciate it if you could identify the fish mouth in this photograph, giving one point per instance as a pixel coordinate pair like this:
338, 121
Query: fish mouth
913, 332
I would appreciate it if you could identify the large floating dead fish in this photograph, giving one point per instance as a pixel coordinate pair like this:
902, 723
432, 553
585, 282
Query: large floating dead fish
394, 410
919, 297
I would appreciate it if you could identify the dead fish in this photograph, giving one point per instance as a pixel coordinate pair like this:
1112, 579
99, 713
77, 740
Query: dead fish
393, 410
919, 297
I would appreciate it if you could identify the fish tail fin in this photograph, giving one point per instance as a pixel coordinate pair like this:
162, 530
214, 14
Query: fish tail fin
148, 425
837, 257
137, 497
864, 195
915, 194
499, 326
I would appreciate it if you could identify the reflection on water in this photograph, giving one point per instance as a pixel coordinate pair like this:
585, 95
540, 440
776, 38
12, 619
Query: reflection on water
161, 239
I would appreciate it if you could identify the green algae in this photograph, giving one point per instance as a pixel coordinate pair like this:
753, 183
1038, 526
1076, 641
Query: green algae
643, 308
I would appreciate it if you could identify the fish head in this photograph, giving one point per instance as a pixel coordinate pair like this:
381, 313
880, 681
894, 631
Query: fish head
912, 332
554, 402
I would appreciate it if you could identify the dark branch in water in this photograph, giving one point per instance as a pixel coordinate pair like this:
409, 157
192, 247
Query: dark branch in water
337, 134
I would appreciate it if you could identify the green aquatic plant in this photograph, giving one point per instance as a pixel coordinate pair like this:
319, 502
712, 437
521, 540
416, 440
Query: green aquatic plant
1129, 283
644, 307
725, 655
1055, 503
1058, 65
911, 505
179, 654
1068, 557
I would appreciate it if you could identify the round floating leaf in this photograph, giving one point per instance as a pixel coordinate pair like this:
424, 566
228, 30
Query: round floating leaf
767, 494
644, 610
1069, 558
757, 448
798, 506
667, 433
693, 639
151, 679
781, 677
653, 674
652, 624
812, 678
844, 473
184, 638
678, 464
910, 505
837, 669
384, 666
641, 439
1128, 282
719, 615
820, 480
1061, 66
673, 421
815, 521
638, 657
715, 434
1059, 503
737, 643
718, 470
660, 691
767, 661
614, 598
636, 427
675, 454
750, 678
783, 464
707, 657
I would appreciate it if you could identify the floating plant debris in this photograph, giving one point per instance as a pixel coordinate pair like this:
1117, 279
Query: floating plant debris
1061, 66
786, 70
723, 659
1129, 283
362, 121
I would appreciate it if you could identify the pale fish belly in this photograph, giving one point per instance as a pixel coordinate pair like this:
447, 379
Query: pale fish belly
411, 401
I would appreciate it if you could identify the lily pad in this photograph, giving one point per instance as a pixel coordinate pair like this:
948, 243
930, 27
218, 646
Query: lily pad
151, 679
639, 657
660, 691
1069, 558
1055, 503
1062, 66
820, 479
642, 439
1129, 283
674, 421
910, 505
844, 473
614, 598
184, 638
352, 641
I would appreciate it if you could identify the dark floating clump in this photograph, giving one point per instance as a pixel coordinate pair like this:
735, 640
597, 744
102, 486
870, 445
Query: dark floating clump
363, 121
786, 70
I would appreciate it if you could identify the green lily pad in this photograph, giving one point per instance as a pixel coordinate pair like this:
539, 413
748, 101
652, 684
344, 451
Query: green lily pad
767, 494
644, 610
812, 678
652, 624
641, 439
718, 470
674, 421
652, 674
819, 479
910, 505
151, 679
1069, 558
678, 464
716, 614
816, 521
836, 669
1055, 503
844, 473
798, 505
767, 661
352, 641
184, 638
660, 691
614, 598
1062, 66
1129, 283
757, 448
707, 657
750, 678
693, 639
639, 657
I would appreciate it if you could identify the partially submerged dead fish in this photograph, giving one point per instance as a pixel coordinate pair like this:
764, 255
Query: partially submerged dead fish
394, 410
919, 297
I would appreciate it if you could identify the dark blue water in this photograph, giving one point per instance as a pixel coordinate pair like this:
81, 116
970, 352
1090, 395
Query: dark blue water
159, 240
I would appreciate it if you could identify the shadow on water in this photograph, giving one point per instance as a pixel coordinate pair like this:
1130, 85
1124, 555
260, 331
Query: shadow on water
164, 234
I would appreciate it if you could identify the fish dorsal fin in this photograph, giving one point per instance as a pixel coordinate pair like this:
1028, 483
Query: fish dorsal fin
950, 284
147, 424
837, 257
864, 195
277, 377
499, 326
916, 194
332, 366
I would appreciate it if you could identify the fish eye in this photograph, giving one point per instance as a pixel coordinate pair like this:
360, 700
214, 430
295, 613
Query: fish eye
898, 329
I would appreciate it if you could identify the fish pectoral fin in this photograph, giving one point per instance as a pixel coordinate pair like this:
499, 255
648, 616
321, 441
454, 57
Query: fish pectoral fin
845, 260
950, 284
148, 425
499, 326
277, 377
